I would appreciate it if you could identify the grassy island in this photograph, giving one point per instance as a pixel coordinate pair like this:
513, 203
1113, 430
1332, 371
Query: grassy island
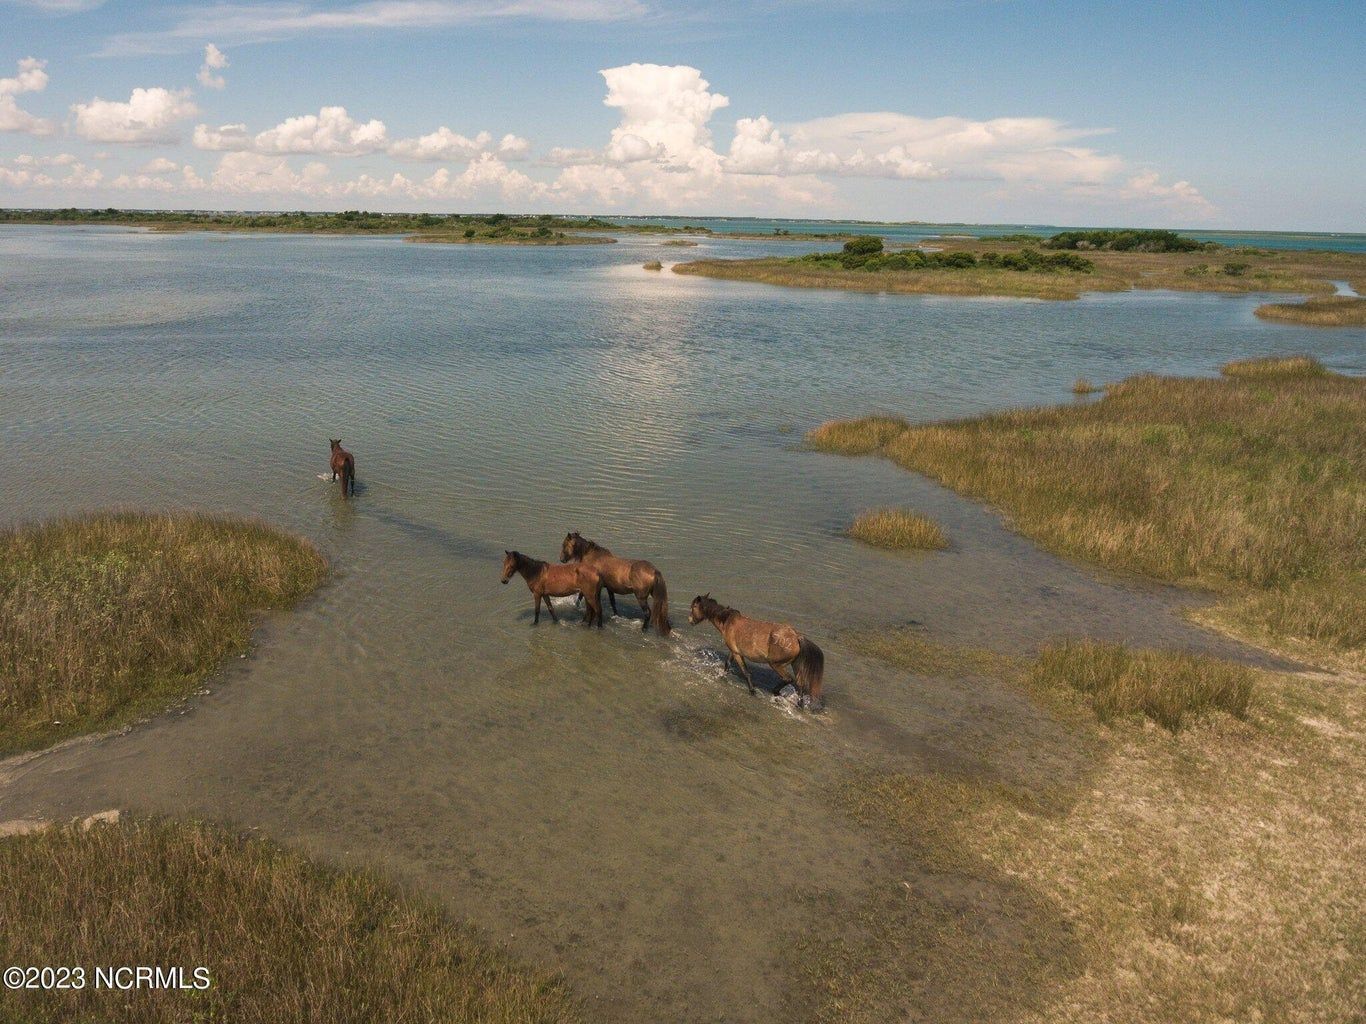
1064, 266
283, 937
1332, 311
491, 229
105, 617
897, 529
1252, 485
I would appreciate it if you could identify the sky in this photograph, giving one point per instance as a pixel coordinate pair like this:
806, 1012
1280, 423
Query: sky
1211, 115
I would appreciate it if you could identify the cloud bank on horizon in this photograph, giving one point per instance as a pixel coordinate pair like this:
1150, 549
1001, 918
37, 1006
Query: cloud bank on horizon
660, 157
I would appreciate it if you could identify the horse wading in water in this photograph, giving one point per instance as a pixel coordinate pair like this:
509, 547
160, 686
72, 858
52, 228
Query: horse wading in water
623, 576
774, 643
545, 581
343, 464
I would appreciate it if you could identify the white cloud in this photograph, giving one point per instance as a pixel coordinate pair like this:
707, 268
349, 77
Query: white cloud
214, 60
159, 165
283, 19
330, 132
30, 78
444, 144
60, 6
150, 115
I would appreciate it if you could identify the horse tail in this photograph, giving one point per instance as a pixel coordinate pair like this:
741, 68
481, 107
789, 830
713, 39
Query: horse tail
348, 478
659, 611
810, 666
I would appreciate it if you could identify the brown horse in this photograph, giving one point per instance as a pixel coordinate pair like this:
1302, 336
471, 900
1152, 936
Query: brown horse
545, 581
623, 576
776, 643
343, 462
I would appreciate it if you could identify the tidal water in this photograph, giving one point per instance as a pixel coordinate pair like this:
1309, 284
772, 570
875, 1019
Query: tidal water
612, 804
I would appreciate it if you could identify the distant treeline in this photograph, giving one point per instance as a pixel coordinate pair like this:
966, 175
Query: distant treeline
490, 224
1127, 240
866, 253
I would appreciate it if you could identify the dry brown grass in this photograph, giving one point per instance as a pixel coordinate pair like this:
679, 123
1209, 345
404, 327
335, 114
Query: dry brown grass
283, 937
654, 265
1253, 485
1330, 311
106, 616
898, 530
1273, 367
1082, 386
1288, 270
1169, 687
1211, 875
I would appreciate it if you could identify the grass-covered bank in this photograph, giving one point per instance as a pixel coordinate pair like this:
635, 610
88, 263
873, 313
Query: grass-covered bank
1063, 267
106, 616
283, 938
1330, 311
1121, 871
1252, 484
898, 530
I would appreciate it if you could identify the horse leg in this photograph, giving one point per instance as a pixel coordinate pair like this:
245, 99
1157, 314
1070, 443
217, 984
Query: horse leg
550, 608
744, 670
536, 616
643, 596
613, 599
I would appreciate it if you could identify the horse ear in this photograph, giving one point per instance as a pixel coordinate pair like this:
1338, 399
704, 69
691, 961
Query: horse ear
506, 551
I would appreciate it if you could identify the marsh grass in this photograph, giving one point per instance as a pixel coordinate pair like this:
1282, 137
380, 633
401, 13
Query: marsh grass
106, 616
1169, 687
1082, 386
283, 937
898, 530
654, 265
1212, 874
1329, 311
1253, 485
1304, 271
1273, 368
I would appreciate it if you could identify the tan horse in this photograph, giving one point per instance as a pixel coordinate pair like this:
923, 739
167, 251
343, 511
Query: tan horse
623, 576
774, 643
344, 463
546, 581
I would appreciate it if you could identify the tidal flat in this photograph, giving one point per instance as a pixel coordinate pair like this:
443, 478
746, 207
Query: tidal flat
615, 809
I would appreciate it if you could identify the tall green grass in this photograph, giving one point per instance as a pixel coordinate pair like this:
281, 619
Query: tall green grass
283, 937
1253, 484
898, 530
106, 616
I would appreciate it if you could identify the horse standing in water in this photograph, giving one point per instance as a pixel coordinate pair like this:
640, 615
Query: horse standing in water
343, 463
545, 581
774, 643
623, 576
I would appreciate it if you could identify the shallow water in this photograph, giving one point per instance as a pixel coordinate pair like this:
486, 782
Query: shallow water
613, 805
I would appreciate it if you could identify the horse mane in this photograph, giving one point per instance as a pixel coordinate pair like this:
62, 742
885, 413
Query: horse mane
521, 561
591, 545
716, 611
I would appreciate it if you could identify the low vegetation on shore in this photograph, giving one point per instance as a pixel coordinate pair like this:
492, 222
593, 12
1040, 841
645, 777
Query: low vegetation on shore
283, 938
1065, 266
898, 530
1252, 485
104, 617
493, 228
1174, 875
1330, 311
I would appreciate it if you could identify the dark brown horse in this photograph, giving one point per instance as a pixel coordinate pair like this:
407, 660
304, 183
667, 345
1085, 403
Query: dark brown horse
774, 643
623, 576
545, 581
343, 463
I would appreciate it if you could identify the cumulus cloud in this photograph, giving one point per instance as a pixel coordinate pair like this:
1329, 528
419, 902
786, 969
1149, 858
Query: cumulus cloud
444, 144
214, 60
159, 165
149, 115
30, 78
330, 132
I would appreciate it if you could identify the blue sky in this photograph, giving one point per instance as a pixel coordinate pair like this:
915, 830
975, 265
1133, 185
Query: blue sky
1213, 115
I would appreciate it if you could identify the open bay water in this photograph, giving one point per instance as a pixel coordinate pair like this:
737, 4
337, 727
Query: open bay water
607, 803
